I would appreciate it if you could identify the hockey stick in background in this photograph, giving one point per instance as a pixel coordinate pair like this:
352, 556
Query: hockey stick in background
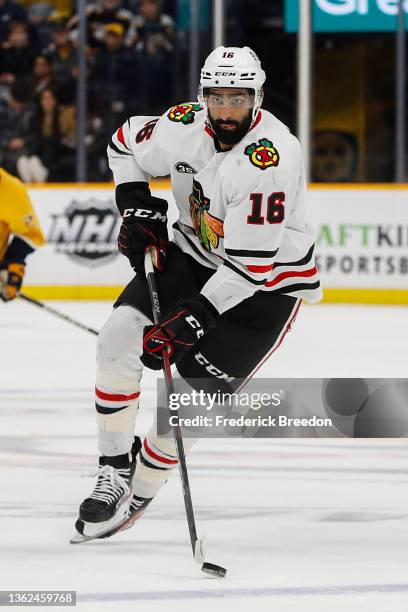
196, 543
58, 314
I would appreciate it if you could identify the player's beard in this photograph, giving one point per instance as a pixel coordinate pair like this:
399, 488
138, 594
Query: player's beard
231, 137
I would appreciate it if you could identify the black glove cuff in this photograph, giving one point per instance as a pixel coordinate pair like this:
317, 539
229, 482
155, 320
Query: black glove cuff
137, 193
125, 193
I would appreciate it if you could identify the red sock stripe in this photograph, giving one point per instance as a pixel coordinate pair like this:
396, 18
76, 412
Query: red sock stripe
281, 277
116, 397
157, 457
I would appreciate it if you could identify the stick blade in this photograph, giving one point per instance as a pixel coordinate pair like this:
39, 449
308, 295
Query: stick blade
199, 550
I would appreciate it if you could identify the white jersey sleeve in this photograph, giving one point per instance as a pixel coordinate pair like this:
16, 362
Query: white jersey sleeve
135, 152
265, 211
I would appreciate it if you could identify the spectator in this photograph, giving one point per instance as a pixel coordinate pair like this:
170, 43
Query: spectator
150, 25
42, 75
67, 119
154, 33
53, 142
99, 15
96, 138
16, 115
114, 64
67, 89
17, 55
61, 52
10, 11
40, 27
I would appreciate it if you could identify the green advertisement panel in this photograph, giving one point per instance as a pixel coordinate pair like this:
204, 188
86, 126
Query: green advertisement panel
348, 15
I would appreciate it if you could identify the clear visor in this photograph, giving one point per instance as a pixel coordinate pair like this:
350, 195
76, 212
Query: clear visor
219, 98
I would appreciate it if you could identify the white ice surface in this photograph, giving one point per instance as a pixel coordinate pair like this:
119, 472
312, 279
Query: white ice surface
301, 525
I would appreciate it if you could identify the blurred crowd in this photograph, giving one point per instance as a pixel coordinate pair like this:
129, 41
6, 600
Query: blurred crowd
138, 57
130, 55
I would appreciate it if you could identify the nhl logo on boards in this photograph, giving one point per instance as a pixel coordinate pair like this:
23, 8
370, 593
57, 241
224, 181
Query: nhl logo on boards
184, 113
86, 232
262, 155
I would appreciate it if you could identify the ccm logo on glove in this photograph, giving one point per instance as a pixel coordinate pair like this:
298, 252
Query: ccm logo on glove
195, 325
144, 213
178, 331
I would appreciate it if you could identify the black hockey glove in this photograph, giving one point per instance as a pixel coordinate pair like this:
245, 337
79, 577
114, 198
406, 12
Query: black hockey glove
144, 224
178, 331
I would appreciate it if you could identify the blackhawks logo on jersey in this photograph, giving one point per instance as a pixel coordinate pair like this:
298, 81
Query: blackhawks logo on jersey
184, 113
262, 155
207, 228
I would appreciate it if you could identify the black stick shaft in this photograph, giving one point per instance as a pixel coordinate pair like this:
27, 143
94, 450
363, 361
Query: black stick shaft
178, 438
57, 313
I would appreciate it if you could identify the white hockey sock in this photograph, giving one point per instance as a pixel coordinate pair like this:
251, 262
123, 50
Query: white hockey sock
116, 411
156, 462
118, 374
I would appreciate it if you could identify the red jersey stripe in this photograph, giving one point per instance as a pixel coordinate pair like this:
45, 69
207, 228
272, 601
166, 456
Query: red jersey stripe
157, 457
260, 268
209, 131
284, 275
116, 397
121, 137
257, 120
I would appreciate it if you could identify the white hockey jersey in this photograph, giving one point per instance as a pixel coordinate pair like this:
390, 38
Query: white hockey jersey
241, 212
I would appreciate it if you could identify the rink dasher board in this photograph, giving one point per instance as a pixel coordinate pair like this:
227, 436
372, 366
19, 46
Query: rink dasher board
362, 241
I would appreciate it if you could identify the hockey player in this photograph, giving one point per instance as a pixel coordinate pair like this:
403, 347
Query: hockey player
230, 282
20, 234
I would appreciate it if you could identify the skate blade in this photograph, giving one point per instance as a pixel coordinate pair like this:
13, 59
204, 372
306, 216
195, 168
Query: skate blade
126, 522
104, 529
80, 538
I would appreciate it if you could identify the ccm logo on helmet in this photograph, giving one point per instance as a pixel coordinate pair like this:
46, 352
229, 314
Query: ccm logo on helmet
227, 74
144, 214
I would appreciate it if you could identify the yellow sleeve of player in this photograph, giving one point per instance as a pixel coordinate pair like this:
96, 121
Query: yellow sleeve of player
17, 215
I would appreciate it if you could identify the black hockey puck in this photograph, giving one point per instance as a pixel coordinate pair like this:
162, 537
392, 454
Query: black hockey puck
214, 570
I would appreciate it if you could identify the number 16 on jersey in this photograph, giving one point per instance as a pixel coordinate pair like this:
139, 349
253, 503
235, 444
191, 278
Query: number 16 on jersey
275, 209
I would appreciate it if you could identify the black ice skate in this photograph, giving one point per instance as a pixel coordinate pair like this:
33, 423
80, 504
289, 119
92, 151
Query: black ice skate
137, 506
107, 508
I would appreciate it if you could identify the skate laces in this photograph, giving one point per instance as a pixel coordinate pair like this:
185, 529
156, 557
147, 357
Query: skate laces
111, 483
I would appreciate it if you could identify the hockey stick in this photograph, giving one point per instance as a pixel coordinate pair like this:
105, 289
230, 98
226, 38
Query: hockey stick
197, 544
57, 313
